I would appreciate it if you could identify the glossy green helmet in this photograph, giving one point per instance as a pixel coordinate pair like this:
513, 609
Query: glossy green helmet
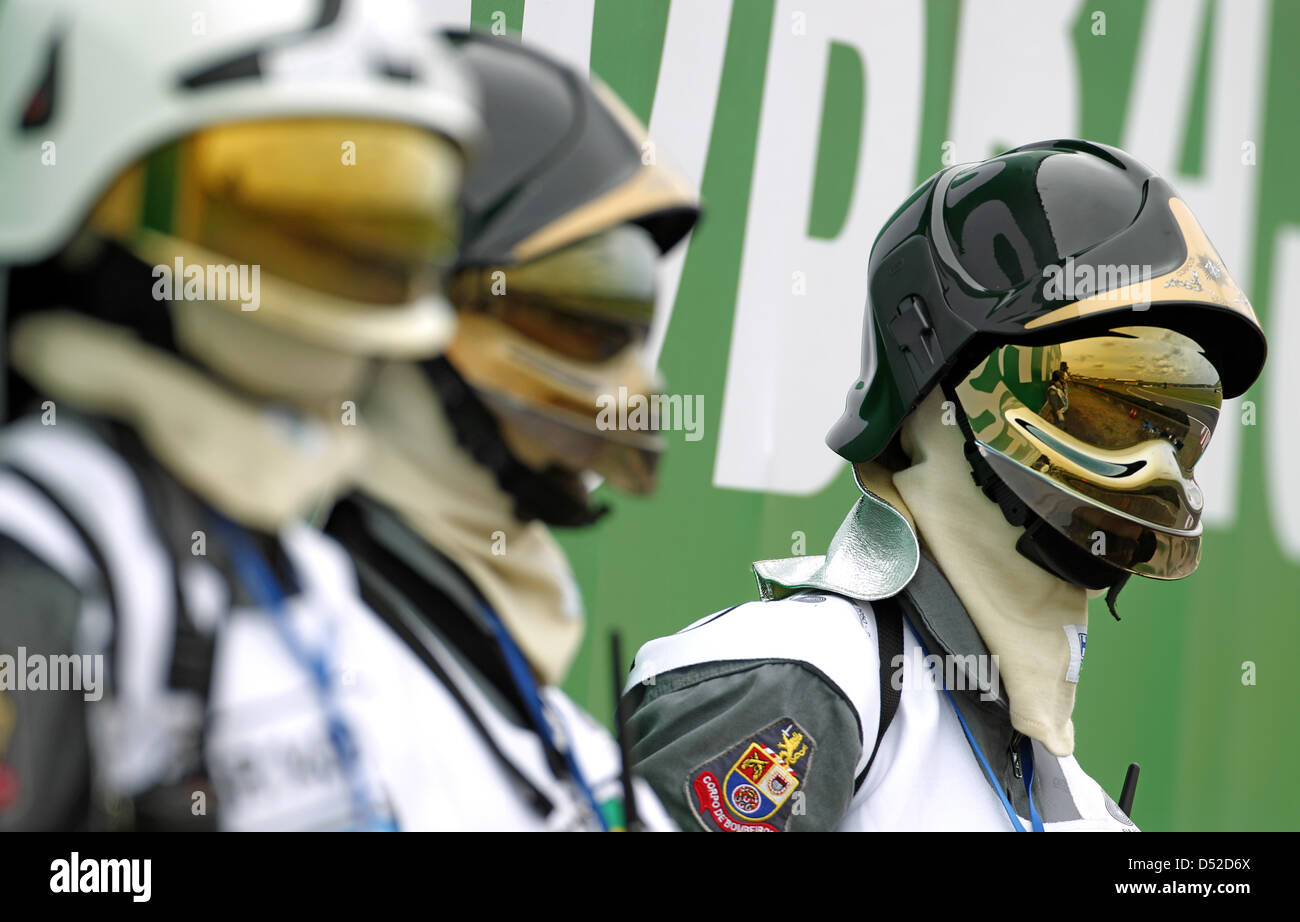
976, 282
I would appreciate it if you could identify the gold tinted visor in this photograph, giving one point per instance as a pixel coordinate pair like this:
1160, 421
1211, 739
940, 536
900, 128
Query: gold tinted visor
551, 405
628, 460
1099, 436
359, 210
547, 341
1136, 385
588, 301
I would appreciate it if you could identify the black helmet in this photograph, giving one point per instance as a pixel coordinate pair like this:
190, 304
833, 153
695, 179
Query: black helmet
564, 219
563, 160
974, 285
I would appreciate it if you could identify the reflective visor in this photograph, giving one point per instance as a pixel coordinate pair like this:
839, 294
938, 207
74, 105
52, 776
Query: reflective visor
588, 301
1135, 385
1099, 437
356, 209
1112, 392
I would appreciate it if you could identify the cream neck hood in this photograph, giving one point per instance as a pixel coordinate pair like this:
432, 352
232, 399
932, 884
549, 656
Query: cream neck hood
417, 469
1024, 614
263, 463
321, 430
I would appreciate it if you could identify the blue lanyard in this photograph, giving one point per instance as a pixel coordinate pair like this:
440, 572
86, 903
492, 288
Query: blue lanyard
256, 575
1026, 759
1027, 763
522, 675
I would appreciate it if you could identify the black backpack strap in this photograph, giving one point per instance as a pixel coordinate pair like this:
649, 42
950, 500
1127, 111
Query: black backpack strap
889, 631
174, 515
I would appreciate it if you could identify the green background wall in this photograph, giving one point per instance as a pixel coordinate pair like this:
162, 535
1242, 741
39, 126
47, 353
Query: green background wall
1164, 687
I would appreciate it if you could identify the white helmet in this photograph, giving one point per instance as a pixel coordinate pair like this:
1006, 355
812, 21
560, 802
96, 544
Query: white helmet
90, 89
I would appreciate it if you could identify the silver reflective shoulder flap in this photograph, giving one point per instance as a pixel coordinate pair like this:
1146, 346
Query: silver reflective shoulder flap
873, 555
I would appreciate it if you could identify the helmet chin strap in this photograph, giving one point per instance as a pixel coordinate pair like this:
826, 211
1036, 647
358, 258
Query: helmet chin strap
1040, 542
547, 495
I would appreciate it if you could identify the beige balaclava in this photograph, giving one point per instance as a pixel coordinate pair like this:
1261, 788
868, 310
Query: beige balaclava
264, 453
1022, 612
302, 425
417, 469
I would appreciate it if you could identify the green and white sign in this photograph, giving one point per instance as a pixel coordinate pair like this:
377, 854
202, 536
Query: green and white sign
805, 124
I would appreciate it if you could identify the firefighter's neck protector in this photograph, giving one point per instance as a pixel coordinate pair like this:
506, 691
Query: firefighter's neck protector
419, 470
262, 463
1020, 609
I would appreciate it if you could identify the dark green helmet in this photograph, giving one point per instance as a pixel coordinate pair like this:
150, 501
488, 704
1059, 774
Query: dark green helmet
965, 264
1085, 330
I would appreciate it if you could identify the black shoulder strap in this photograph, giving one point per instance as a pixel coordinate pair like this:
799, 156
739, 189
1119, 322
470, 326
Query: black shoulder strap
173, 515
89, 542
889, 630
434, 591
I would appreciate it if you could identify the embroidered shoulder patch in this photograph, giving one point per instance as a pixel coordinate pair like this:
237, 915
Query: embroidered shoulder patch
754, 785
